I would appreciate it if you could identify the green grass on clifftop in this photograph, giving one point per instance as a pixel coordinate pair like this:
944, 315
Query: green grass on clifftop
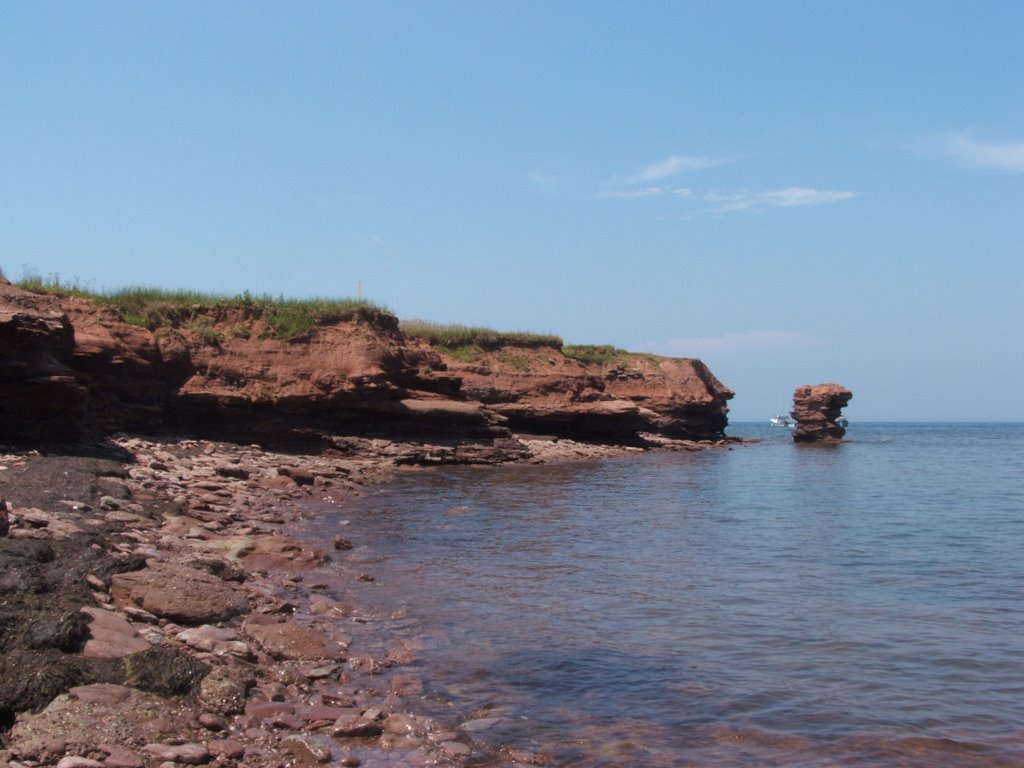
593, 353
154, 308
455, 337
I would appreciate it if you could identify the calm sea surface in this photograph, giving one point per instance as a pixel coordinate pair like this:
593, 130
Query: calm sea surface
765, 605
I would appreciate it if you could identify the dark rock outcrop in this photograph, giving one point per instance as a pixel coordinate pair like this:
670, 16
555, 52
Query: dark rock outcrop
816, 410
41, 395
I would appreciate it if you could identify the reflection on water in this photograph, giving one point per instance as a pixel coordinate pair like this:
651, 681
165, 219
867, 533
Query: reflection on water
766, 605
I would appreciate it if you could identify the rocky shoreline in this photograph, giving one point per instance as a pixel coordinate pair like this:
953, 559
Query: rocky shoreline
156, 610
156, 606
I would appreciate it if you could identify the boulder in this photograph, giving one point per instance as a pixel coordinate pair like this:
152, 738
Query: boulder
181, 594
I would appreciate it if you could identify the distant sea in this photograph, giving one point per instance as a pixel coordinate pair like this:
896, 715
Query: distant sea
762, 605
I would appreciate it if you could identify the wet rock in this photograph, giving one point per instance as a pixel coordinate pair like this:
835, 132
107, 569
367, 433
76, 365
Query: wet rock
267, 709
288, 640
399, 724
406, 685
321, 713
355, 725
308, 748
480, 723
455, 748
341, 543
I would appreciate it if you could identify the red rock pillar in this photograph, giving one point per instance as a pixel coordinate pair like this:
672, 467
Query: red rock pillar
815, 409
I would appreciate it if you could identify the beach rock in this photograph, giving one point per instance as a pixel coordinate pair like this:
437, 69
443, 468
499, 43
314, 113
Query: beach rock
224, 690
230, 749
355, 725
120, 757
179, 593
77, 761
816, 409
110, 635
187, 754
212, 722
308, 748
291, 641
164, 671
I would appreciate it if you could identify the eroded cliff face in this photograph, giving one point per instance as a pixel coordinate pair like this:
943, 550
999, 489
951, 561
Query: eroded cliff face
68, 367
538, 389
41, 394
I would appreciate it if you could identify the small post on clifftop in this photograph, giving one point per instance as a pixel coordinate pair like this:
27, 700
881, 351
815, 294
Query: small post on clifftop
359, 292
817, 412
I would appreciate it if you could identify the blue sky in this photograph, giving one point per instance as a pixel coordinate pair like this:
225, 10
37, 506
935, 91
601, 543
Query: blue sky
795, 192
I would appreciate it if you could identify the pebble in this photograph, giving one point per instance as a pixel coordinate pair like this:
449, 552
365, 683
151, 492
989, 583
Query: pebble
231, 749
355, 725
189, 753
76, 761
212, 722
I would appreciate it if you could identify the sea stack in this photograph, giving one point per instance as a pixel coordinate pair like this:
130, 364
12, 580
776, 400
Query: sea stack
816, 410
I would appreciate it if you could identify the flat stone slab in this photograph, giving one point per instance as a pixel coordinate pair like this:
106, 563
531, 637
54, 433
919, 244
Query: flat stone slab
181, 594
290, 641
111, 636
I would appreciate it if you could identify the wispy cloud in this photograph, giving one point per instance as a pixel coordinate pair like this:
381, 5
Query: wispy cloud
787, 197
670, 166
636, 193
794, 196
733, 344
964, 149
543, 179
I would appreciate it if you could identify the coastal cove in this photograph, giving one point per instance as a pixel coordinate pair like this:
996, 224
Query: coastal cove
767, 604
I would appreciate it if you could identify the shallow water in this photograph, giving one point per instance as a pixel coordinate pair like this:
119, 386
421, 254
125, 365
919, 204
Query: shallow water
769, 604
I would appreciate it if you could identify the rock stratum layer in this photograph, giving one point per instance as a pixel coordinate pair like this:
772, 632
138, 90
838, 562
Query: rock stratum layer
816, 410
70, 368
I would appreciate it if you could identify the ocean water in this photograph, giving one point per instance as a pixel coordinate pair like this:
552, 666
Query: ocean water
763, 605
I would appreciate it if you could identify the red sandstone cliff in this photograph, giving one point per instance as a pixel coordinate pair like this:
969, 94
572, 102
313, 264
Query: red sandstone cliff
68, 366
